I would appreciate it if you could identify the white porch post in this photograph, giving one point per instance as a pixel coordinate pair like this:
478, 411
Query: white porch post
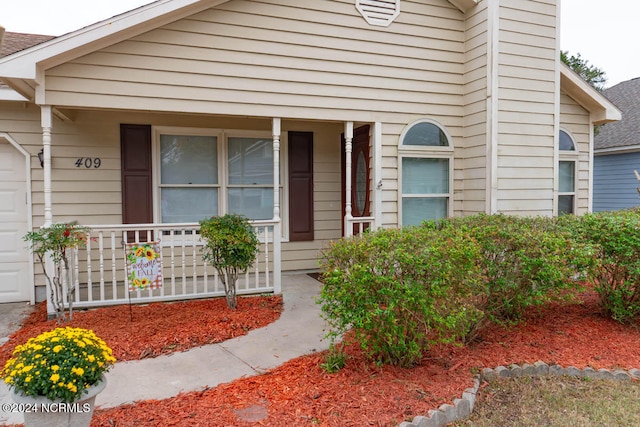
277, 228
377, 175
348, 148
46, 121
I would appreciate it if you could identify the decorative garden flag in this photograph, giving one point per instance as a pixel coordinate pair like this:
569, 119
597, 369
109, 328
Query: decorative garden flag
144, 266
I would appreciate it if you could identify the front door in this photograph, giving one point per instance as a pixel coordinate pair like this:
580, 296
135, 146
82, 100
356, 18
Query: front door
360, 175
14, 256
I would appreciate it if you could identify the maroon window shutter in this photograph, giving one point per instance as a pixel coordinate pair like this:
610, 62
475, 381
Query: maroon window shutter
135, 154
300, 186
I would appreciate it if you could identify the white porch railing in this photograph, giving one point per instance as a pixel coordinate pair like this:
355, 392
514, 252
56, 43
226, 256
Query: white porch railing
357, 225
98, 271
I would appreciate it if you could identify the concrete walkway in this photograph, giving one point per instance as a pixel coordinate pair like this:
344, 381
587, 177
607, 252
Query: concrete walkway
297, 332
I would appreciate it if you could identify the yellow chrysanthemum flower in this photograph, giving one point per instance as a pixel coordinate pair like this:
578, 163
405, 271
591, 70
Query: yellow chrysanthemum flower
61, 361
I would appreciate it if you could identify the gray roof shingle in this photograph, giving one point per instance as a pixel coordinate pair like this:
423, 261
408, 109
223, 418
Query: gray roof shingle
15, 42
626, 132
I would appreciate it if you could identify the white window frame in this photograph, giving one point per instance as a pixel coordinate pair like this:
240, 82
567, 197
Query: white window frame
222, 136
568, 156
425, 152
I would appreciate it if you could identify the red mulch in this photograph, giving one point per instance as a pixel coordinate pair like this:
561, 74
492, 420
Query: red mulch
300, 393
142, 331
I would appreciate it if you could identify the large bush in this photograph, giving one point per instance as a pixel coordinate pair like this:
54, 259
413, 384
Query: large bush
526, 261
617, 278
400, 291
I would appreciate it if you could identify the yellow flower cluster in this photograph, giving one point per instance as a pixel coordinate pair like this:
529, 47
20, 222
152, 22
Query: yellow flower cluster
59, 364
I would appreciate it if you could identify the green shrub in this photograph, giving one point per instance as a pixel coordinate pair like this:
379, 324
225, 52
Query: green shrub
57, 241
617, 278
526, 261
231, 246
401, 291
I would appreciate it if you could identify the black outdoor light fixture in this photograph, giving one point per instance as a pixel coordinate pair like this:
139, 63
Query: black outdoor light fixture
41, 157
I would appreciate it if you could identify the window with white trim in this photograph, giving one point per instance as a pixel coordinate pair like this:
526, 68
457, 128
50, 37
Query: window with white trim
203, 173
566, 174
426, 173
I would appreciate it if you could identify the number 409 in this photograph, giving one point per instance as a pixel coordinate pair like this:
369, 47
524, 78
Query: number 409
89, 162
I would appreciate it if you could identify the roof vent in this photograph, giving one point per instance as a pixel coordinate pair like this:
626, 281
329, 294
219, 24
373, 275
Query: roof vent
379, 12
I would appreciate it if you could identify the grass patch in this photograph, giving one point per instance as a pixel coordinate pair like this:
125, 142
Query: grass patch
556, 401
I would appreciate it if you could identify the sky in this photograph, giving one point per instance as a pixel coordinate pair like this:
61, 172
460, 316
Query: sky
603, 32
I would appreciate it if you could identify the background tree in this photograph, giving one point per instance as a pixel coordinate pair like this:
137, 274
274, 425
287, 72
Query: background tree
589, 73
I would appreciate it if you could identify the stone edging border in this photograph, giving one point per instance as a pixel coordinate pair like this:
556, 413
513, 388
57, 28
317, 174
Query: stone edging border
463, 407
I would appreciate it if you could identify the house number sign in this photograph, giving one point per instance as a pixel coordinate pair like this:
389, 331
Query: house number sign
88, 162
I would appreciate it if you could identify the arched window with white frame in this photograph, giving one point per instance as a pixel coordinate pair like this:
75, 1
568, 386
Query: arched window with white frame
425, 172
567, 168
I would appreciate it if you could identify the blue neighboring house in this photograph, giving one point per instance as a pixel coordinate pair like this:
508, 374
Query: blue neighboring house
617, 152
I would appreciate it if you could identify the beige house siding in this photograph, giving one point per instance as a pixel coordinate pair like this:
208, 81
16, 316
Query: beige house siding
322, 61
527, 96
22, 122
473, 198
574, 119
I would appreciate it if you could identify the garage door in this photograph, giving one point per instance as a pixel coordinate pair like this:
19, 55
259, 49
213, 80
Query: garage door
14, 256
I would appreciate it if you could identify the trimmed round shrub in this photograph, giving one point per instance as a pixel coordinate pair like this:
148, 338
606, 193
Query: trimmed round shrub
402, 290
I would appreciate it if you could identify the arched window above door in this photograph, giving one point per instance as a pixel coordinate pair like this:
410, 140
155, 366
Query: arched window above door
425, 134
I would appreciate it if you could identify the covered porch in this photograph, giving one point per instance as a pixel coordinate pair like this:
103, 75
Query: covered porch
98, 274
